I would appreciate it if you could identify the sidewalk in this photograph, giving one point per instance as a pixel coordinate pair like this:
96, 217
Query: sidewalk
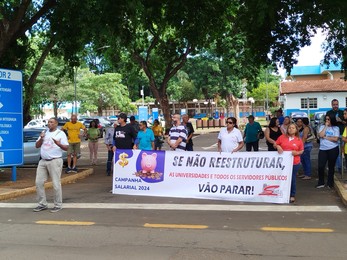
25, 183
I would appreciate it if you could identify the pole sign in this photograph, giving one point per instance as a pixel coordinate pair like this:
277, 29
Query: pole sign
155, 113
143, 113
11, 118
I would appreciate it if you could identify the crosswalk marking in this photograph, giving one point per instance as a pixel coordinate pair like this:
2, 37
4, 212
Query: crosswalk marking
175, 226
192, 207
66, 223
290, 229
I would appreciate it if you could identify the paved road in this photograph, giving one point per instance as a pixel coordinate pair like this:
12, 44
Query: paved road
97, 224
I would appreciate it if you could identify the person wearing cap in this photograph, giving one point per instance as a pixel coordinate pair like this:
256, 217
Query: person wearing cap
251, 134
124, 134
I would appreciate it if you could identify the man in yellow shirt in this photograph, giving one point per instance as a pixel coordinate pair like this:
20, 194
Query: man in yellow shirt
73, 132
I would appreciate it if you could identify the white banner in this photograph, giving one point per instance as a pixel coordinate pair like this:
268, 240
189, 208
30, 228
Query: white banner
242, 176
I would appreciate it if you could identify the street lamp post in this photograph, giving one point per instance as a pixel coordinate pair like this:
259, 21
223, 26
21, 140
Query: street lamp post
205, 102
252, 102
195, 101
143, 96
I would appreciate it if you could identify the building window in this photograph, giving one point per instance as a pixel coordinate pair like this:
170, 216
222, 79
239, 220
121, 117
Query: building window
312, 103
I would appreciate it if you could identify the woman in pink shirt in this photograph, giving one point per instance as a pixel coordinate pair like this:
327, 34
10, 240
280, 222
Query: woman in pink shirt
290, 141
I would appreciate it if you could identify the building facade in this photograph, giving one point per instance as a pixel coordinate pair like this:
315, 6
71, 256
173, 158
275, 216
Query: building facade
311, 88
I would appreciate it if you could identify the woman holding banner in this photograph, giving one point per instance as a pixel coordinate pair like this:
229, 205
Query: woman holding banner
230, 138
272, 133
291, 142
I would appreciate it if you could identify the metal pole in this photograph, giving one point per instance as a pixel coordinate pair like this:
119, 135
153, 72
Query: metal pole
75, 83
267, 92
143, 96
308, 107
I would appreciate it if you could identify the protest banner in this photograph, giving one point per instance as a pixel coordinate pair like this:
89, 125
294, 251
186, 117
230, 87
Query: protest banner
251, 176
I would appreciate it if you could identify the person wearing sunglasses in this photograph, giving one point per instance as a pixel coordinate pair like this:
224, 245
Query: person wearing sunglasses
328, 150
230, 138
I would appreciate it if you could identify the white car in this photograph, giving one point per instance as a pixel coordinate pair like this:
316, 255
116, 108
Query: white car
35, 123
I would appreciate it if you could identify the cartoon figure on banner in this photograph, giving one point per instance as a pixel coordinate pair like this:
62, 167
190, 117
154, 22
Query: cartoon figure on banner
147, 168
122, 159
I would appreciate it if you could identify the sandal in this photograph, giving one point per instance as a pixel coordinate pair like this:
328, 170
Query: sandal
292, 200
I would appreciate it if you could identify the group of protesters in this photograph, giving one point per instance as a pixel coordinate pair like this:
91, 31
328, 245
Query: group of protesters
281, 135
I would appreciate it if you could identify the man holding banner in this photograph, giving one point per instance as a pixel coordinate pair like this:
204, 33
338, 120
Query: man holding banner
178, 134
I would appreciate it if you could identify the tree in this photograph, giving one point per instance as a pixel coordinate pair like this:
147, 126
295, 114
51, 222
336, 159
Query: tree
102, 91
181, 88
159, 36
276, 30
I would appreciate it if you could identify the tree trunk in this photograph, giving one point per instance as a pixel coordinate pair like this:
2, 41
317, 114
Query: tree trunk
236, 108
55, 107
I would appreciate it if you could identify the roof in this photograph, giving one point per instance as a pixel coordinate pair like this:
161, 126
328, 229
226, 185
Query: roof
326, 85
314, 70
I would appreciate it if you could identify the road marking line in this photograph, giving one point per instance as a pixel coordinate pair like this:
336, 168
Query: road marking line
307, 230
213, 146
197, 207
67, 223
175, 226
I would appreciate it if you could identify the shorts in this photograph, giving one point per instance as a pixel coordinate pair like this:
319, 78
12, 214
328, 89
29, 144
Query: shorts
74, 148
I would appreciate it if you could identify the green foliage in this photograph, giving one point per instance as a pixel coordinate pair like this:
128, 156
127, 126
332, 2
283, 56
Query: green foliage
181, 88
105, 90
264, 91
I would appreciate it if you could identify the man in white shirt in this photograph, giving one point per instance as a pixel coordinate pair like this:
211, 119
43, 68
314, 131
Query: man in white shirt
52, 142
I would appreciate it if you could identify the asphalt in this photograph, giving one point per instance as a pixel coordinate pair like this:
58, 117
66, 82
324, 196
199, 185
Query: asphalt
25, 183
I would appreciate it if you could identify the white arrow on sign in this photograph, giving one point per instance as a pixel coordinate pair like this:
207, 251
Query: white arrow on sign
1, 141
1, 105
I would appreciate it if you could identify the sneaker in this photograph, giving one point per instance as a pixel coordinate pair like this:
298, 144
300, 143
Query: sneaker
74, 169
68, 170
301, 176
55, 209
319, 186
40, 208
306, 178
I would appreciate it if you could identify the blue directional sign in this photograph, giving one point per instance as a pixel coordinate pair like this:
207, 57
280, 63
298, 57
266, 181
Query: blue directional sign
11, 118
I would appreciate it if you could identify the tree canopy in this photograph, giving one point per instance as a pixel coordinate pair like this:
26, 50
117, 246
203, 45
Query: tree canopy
160, 36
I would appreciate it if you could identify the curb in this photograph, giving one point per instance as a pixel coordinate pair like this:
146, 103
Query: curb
341, 190
48, 185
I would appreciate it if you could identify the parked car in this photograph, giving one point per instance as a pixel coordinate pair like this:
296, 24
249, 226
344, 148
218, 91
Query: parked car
62, 121
36, 123
31, 153
296, 115
318, 119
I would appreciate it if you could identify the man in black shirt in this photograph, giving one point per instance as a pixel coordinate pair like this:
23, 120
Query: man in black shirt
190, 132
124, 134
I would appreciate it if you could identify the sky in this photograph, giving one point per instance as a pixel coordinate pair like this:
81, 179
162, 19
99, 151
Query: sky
309, 55
312, 55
